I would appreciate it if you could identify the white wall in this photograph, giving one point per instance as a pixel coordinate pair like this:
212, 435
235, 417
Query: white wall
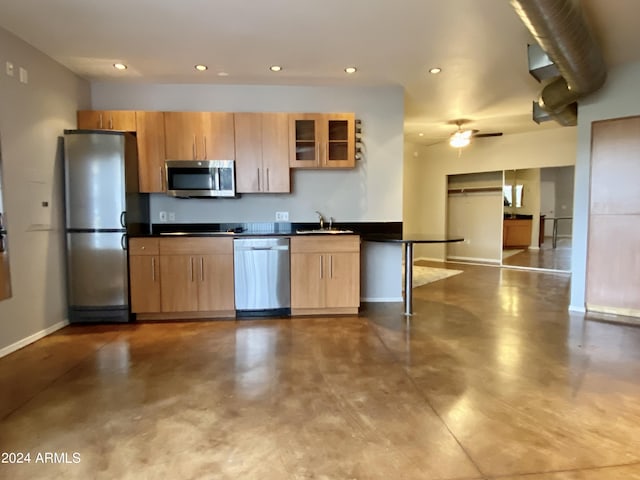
618, 98
426, 170
32, 118
370, 192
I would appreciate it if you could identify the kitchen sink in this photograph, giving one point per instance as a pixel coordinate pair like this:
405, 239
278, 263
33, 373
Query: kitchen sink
324, 230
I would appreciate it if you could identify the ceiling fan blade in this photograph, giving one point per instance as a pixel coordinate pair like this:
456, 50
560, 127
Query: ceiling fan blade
491, 134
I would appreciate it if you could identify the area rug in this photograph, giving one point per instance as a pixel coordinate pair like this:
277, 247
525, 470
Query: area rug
510, 253
424, 275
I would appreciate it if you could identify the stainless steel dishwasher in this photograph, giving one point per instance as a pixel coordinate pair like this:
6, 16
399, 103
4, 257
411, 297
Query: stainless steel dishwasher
262, 276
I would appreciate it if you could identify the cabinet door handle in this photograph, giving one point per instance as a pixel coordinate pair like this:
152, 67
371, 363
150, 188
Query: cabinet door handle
194, 147
330, 266
202, 268
268, 189
321, 268
153, 268
191, 269
111, 122
100, 125
204, 144
258, 178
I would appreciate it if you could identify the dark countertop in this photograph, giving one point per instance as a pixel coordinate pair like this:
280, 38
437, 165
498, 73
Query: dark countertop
411, 238
264, 229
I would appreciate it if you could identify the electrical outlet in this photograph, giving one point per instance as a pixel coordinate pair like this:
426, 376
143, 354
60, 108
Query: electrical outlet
163, 216
282, 216
172, 216
9, 70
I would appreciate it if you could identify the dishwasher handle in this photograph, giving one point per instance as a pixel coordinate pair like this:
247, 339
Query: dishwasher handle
253, 249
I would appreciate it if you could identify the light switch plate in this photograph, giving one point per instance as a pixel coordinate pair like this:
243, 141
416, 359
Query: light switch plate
9, 69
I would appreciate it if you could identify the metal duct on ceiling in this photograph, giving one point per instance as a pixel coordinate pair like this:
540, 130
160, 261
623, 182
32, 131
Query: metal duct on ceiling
560, 28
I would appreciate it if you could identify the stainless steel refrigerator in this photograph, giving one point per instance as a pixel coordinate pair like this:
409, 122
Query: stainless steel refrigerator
102, 206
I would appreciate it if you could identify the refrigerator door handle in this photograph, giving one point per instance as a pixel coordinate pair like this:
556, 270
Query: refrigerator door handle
123, 219
123, 241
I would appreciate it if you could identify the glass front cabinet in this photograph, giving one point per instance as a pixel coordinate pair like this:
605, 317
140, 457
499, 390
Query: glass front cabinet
322, 140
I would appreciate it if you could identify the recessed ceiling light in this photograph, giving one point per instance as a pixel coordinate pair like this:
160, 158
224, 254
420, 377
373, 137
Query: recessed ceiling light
223, 74
421, 134
351, 69
275, 68
119, 66
435, 70
201, 68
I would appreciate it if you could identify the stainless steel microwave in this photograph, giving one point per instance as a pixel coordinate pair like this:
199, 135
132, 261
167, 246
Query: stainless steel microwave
201, 178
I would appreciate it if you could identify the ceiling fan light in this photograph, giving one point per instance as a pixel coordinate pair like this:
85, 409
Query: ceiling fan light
466, 133
459, 140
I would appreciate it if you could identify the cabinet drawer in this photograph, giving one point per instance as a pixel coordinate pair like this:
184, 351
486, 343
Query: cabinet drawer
196, 246
325, 243
143, 246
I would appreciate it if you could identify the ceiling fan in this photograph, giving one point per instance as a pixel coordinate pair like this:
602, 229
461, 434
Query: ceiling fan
461, 138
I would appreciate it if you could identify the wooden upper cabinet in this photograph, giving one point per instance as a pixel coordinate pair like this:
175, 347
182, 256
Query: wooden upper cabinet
261, 152
124, 120
322, 140
151, 153
199, 136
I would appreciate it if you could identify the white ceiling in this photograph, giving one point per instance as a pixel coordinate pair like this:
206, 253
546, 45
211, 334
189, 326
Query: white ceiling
479, 44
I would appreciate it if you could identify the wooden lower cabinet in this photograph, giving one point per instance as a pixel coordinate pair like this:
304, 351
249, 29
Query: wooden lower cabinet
144, 275
325, 275
193, 277
516, 232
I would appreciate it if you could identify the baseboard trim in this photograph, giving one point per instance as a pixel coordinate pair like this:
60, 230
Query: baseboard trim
429, 259
474, 259
32, 338
626, 312
381, 299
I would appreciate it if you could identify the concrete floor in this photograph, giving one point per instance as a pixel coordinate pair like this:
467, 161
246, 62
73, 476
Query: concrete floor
546, 257
492, 378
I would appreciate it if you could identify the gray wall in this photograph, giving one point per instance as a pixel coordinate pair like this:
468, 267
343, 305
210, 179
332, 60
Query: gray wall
370, 192
32, 118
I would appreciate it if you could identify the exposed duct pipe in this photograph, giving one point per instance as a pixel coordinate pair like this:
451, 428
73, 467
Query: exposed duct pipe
560, 28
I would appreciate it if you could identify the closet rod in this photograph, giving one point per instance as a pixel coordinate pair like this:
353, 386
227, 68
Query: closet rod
475, 189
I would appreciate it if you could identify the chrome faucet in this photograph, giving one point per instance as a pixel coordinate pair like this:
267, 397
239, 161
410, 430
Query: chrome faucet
331, 222
321, 218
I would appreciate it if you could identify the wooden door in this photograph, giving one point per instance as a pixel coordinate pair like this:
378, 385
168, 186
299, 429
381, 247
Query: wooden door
215, 283
248, 146
337, 149
304, 140
144, 283
179, 289
275, 153
307, 280
217, 140
181, 130
342, 279
613, 258
151, 152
